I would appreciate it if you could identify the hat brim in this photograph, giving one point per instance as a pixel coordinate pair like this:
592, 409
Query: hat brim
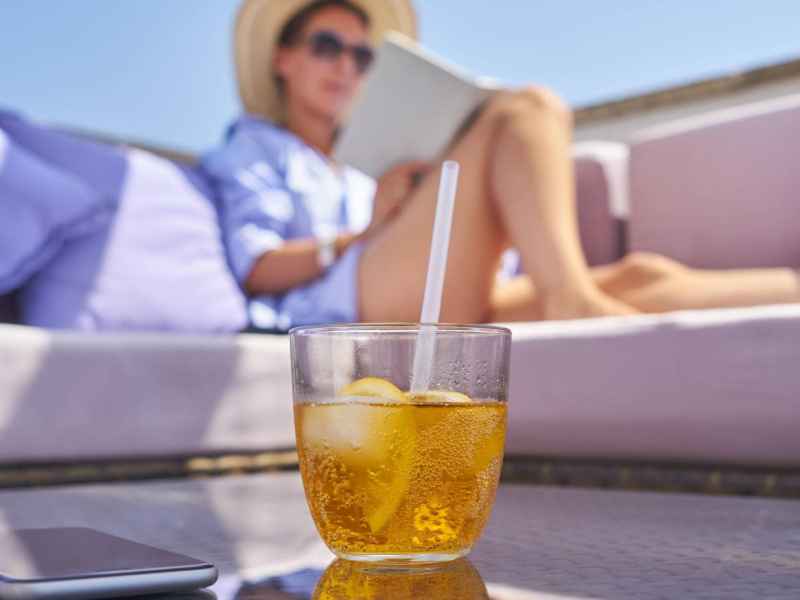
258, 25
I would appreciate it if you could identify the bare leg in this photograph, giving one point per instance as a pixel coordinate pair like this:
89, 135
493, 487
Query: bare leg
516, 188
533, 174
656, 284
516, 300
393, 266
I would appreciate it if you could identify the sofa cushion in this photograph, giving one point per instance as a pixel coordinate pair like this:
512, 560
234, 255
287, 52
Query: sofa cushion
42, 207
722, 189
107, 238
713, 386
707, 386
80, 396
601, 178
100, 166
159, 265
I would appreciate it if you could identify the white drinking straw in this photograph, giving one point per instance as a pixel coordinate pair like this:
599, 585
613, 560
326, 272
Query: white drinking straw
434, 285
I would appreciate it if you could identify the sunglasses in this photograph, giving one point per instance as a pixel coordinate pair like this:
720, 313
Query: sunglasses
329, 46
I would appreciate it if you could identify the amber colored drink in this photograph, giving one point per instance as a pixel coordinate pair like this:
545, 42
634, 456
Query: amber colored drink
386, 479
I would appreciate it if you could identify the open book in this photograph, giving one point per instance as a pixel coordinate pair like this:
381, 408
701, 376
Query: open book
412, 106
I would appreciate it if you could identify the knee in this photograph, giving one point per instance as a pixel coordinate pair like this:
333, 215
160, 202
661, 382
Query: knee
531, 102
542, 100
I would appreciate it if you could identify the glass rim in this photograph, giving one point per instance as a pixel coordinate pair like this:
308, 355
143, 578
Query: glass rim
345, 329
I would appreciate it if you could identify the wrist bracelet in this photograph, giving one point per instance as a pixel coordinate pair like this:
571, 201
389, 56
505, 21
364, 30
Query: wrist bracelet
326, 250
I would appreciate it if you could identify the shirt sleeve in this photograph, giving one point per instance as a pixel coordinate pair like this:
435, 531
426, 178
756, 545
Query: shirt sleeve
256, 207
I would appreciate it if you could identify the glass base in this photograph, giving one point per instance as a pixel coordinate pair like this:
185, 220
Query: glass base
403, 561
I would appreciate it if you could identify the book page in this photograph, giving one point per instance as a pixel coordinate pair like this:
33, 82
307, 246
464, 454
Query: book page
411, 106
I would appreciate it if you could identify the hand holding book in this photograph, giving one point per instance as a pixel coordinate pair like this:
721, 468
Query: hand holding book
394, 188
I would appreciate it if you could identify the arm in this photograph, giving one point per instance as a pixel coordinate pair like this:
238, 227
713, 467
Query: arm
256, 212
295, 262
292, 264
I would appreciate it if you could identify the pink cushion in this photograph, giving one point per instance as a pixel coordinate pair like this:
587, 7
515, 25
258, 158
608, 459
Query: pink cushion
600, 231
721, 190
709, 386
601, 189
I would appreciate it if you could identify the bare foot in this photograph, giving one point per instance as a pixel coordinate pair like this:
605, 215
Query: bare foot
595, 303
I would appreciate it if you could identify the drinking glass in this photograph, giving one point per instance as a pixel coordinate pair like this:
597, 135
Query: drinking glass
392, 476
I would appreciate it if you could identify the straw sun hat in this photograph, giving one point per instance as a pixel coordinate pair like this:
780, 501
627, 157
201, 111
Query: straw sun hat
258, 26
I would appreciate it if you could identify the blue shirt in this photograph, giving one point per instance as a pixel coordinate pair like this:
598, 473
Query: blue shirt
272, 187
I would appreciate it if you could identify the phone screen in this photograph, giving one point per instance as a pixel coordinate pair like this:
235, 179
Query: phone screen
76, 552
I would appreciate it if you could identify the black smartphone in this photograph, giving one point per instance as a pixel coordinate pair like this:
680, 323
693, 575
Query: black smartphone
77, 562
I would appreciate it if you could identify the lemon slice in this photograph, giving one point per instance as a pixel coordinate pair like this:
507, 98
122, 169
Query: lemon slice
387, 447
444, 396
373, 387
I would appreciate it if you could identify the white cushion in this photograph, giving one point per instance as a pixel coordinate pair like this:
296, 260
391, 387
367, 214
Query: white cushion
161, 265
708, 386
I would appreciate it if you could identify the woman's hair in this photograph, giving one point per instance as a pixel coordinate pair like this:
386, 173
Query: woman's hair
291, 32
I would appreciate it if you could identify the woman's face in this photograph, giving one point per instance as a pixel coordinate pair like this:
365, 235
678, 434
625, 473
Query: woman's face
315, 79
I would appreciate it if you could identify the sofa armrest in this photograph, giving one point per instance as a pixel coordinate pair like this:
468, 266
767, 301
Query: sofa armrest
715, 386
721, 189
77, 396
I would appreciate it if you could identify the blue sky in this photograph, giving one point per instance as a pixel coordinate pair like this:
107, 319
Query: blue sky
160, 71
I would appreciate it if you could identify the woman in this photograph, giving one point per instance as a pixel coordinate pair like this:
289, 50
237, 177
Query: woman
289, 211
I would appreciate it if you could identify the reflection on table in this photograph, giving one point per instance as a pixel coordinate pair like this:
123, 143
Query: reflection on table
347, 580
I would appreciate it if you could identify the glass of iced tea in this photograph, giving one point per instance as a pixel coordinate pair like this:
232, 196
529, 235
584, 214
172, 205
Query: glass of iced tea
394, 476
